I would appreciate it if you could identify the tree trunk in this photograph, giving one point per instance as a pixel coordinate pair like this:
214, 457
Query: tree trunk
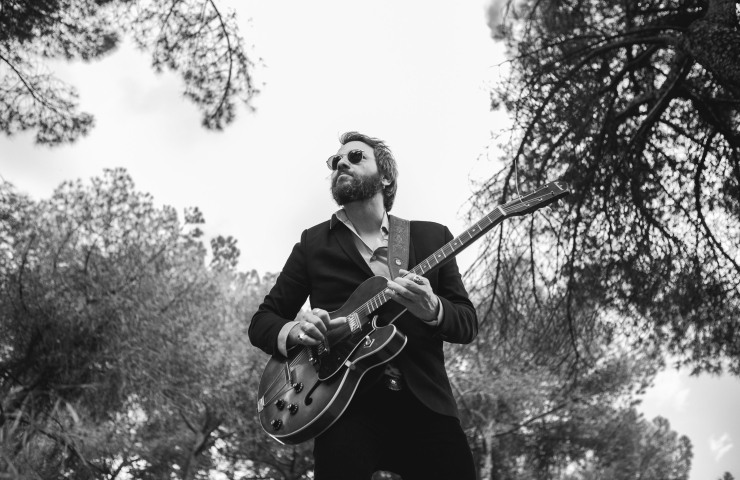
486, 470
202, 435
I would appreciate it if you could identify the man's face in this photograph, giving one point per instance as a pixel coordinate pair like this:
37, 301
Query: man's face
355, 182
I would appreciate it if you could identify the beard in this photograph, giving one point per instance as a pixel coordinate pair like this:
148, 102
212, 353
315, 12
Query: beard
356, 190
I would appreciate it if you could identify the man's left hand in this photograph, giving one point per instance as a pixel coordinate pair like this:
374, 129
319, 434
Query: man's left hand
414, 293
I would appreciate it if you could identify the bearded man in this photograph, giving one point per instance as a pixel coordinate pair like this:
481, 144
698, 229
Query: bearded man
404, 418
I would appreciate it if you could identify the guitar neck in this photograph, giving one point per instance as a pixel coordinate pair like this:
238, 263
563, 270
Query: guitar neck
452, 248
519, 206
443, 255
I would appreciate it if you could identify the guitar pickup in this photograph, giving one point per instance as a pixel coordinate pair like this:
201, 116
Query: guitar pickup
353, 320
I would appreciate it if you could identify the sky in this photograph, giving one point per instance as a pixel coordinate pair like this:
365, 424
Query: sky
414, 73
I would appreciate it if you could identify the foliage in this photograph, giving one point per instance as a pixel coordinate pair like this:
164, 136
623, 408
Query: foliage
530, 414
635, 104
121, 351
191, 37
636, 448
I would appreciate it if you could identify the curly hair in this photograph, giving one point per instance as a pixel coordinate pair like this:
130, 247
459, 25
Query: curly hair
383, 158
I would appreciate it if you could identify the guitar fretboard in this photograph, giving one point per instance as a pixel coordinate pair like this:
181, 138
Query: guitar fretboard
441, 256
519, 206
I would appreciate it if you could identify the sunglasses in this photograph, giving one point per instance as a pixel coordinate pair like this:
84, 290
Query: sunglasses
354, 156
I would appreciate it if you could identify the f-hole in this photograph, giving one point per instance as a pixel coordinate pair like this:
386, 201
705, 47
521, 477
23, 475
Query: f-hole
308, 400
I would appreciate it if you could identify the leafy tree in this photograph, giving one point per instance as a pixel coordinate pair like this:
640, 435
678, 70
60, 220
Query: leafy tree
531, 409
122, 354
194, 38
529, 422
635, 104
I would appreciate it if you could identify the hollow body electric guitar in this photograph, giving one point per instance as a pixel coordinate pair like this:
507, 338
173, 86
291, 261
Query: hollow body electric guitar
302, 395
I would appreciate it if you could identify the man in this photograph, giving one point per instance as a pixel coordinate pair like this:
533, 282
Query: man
404, 418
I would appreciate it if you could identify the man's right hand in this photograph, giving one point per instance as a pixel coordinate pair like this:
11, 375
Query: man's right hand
312, 327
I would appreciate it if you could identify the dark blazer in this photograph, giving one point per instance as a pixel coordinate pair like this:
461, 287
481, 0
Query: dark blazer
326, 266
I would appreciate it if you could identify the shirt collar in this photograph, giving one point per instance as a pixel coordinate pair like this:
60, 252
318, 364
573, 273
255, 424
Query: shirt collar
341, 216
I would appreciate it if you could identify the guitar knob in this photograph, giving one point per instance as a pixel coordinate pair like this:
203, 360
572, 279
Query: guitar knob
293, 408
298, 387
280, 404
276, 424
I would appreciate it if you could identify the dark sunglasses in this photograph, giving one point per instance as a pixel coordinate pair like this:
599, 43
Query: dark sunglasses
354, 156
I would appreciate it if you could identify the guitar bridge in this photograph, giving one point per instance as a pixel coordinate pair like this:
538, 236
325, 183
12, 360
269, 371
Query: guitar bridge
288, 374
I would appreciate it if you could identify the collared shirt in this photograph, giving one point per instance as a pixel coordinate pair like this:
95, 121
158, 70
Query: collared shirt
376, 259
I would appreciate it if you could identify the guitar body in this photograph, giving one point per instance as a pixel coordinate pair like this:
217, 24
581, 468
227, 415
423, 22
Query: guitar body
304, 394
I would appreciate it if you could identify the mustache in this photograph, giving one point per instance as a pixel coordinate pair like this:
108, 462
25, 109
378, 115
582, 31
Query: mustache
340, 173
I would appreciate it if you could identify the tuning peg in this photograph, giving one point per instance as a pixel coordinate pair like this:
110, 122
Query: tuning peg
560, 202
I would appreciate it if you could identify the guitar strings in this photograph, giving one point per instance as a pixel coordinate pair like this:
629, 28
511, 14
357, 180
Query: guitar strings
381, 299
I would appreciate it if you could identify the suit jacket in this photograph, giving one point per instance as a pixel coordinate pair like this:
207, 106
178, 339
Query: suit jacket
326, 266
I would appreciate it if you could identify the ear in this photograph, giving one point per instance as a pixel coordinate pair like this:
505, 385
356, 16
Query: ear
385, 182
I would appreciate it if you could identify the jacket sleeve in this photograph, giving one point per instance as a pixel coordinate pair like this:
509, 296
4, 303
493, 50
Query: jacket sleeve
283, 302
460, 322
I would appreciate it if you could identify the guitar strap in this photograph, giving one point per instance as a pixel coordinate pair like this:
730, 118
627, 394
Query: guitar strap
398, 245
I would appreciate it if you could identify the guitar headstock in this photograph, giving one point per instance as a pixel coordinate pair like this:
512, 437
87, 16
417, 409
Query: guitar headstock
541, 197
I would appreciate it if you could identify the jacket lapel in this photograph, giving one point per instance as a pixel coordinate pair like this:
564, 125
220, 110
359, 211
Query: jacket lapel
344, 236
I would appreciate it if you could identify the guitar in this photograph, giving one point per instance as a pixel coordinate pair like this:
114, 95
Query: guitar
302, 395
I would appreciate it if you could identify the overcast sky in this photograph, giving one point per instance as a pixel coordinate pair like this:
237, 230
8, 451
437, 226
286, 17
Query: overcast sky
414, 73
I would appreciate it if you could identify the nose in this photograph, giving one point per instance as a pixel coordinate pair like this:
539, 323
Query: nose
343, 163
